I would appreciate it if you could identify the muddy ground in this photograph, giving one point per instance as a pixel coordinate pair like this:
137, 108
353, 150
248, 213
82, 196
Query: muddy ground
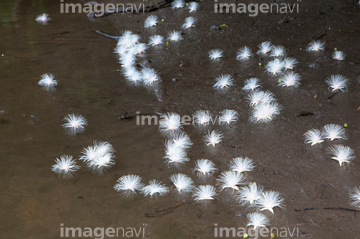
35, 201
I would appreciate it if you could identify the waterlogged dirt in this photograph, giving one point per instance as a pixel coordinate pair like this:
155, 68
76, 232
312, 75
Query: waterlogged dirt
38, 204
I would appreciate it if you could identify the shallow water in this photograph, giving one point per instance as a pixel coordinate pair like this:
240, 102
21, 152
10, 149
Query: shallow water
35, 201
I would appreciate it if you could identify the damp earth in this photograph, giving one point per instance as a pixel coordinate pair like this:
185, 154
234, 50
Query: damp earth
35, 202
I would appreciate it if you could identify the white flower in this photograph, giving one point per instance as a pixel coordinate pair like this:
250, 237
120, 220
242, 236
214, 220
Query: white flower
151, 21
132, 75
257, 219
128, 39
204, 167
121, 50
103, 148
241, 165
47, 82
193, 6
155, 187
98, 149
202, 117
172, 148
223, 81
244, 53
342, 154
43, 18
124, 39
182, 182
313, 136
228, 116
275, 66
269, 200
174, 154
267, 97
333, 131
337, 83
277, 51
257, 97
139, 48
264, 47
99, 157
231, 179
177, 4
249, 194
127, 60
170, 122
251, 84
212, 138
134, 39
156, 40
181, 140
265, 112
101, 163
149, 76
74, 123
355, 197
204, 192
316, 46
290, 79
65, 166
89, 154
128, 183
175, 36
215, 54
289, 63
339, 55
189, 22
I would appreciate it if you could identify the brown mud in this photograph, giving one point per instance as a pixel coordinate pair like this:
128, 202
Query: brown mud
35, 201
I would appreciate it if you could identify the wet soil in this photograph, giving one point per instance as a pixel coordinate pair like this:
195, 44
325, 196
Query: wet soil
35, 201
